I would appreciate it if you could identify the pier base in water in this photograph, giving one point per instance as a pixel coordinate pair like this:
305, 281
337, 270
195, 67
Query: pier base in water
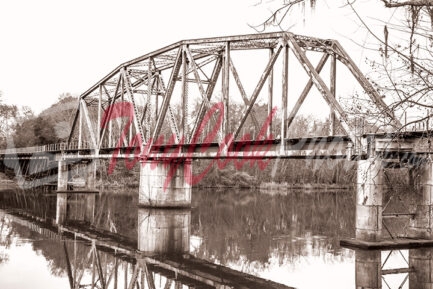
421, 225
165, 184
163, 231
369, 196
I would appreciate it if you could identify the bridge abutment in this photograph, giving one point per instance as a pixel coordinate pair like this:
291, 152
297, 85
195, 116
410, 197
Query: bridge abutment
165, 183
369, 197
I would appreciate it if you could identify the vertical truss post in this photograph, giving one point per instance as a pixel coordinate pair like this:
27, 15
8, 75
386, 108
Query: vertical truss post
321, 86
74, 123
225, 88
333, 88
148, 117
80, 126
257, 89
167, 98
284, 95
207, 95
137, 124
184, 96
108, 114
98, 124
89, 124
270, 92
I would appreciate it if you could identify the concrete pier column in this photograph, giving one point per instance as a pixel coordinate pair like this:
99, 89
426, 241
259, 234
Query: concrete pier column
75, 207
165, 184
162, 231
61, 208
62, 176
91, 175
422, 224
369, 199
368, 272
421, 261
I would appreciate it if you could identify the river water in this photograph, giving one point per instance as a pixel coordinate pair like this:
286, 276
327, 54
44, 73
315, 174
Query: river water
289, 237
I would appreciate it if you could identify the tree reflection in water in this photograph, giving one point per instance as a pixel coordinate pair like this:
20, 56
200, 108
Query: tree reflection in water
256, 225
231, 225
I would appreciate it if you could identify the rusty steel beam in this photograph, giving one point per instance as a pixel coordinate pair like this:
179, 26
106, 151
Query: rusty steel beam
257, 89
305, 92
167, 98
208, 94
344, 58
322, 87
244, 94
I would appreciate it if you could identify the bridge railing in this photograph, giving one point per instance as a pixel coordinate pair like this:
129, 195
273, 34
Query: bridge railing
46, 148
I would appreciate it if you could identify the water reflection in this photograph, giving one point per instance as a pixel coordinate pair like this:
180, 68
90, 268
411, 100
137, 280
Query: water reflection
284, 237
411, 269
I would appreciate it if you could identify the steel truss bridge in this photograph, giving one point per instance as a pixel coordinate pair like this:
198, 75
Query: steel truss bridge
223, 97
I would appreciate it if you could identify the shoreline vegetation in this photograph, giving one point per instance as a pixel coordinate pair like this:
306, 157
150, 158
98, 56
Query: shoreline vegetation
277, 176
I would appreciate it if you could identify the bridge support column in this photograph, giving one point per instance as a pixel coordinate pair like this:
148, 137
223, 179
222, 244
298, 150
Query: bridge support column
61, 208
62, 176
368, 269
421, 261
91, 175
165, 184
369, 199
75, 207
421, 225
162, 231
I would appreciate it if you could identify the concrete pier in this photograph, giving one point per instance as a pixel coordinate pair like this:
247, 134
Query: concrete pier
75, 207
421, 261
368, 272
369, 200
91, 174
162, 231
422, 224
62, 176
165, 184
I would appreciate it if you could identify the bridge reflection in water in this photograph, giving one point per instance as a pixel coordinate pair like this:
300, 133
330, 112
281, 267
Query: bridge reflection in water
99, 258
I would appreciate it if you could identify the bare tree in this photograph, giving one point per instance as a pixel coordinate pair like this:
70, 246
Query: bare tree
404, 69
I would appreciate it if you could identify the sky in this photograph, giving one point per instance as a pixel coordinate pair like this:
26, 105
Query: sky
52, 47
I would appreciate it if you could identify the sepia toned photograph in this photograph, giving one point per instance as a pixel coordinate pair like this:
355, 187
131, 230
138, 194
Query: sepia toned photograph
249, 144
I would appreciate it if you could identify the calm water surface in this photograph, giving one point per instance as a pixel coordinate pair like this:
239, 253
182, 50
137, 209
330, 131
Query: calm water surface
291, 238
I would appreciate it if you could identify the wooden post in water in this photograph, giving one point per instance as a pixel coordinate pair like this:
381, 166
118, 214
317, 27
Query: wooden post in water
368, 272
165, 183
162, 231
369, 199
